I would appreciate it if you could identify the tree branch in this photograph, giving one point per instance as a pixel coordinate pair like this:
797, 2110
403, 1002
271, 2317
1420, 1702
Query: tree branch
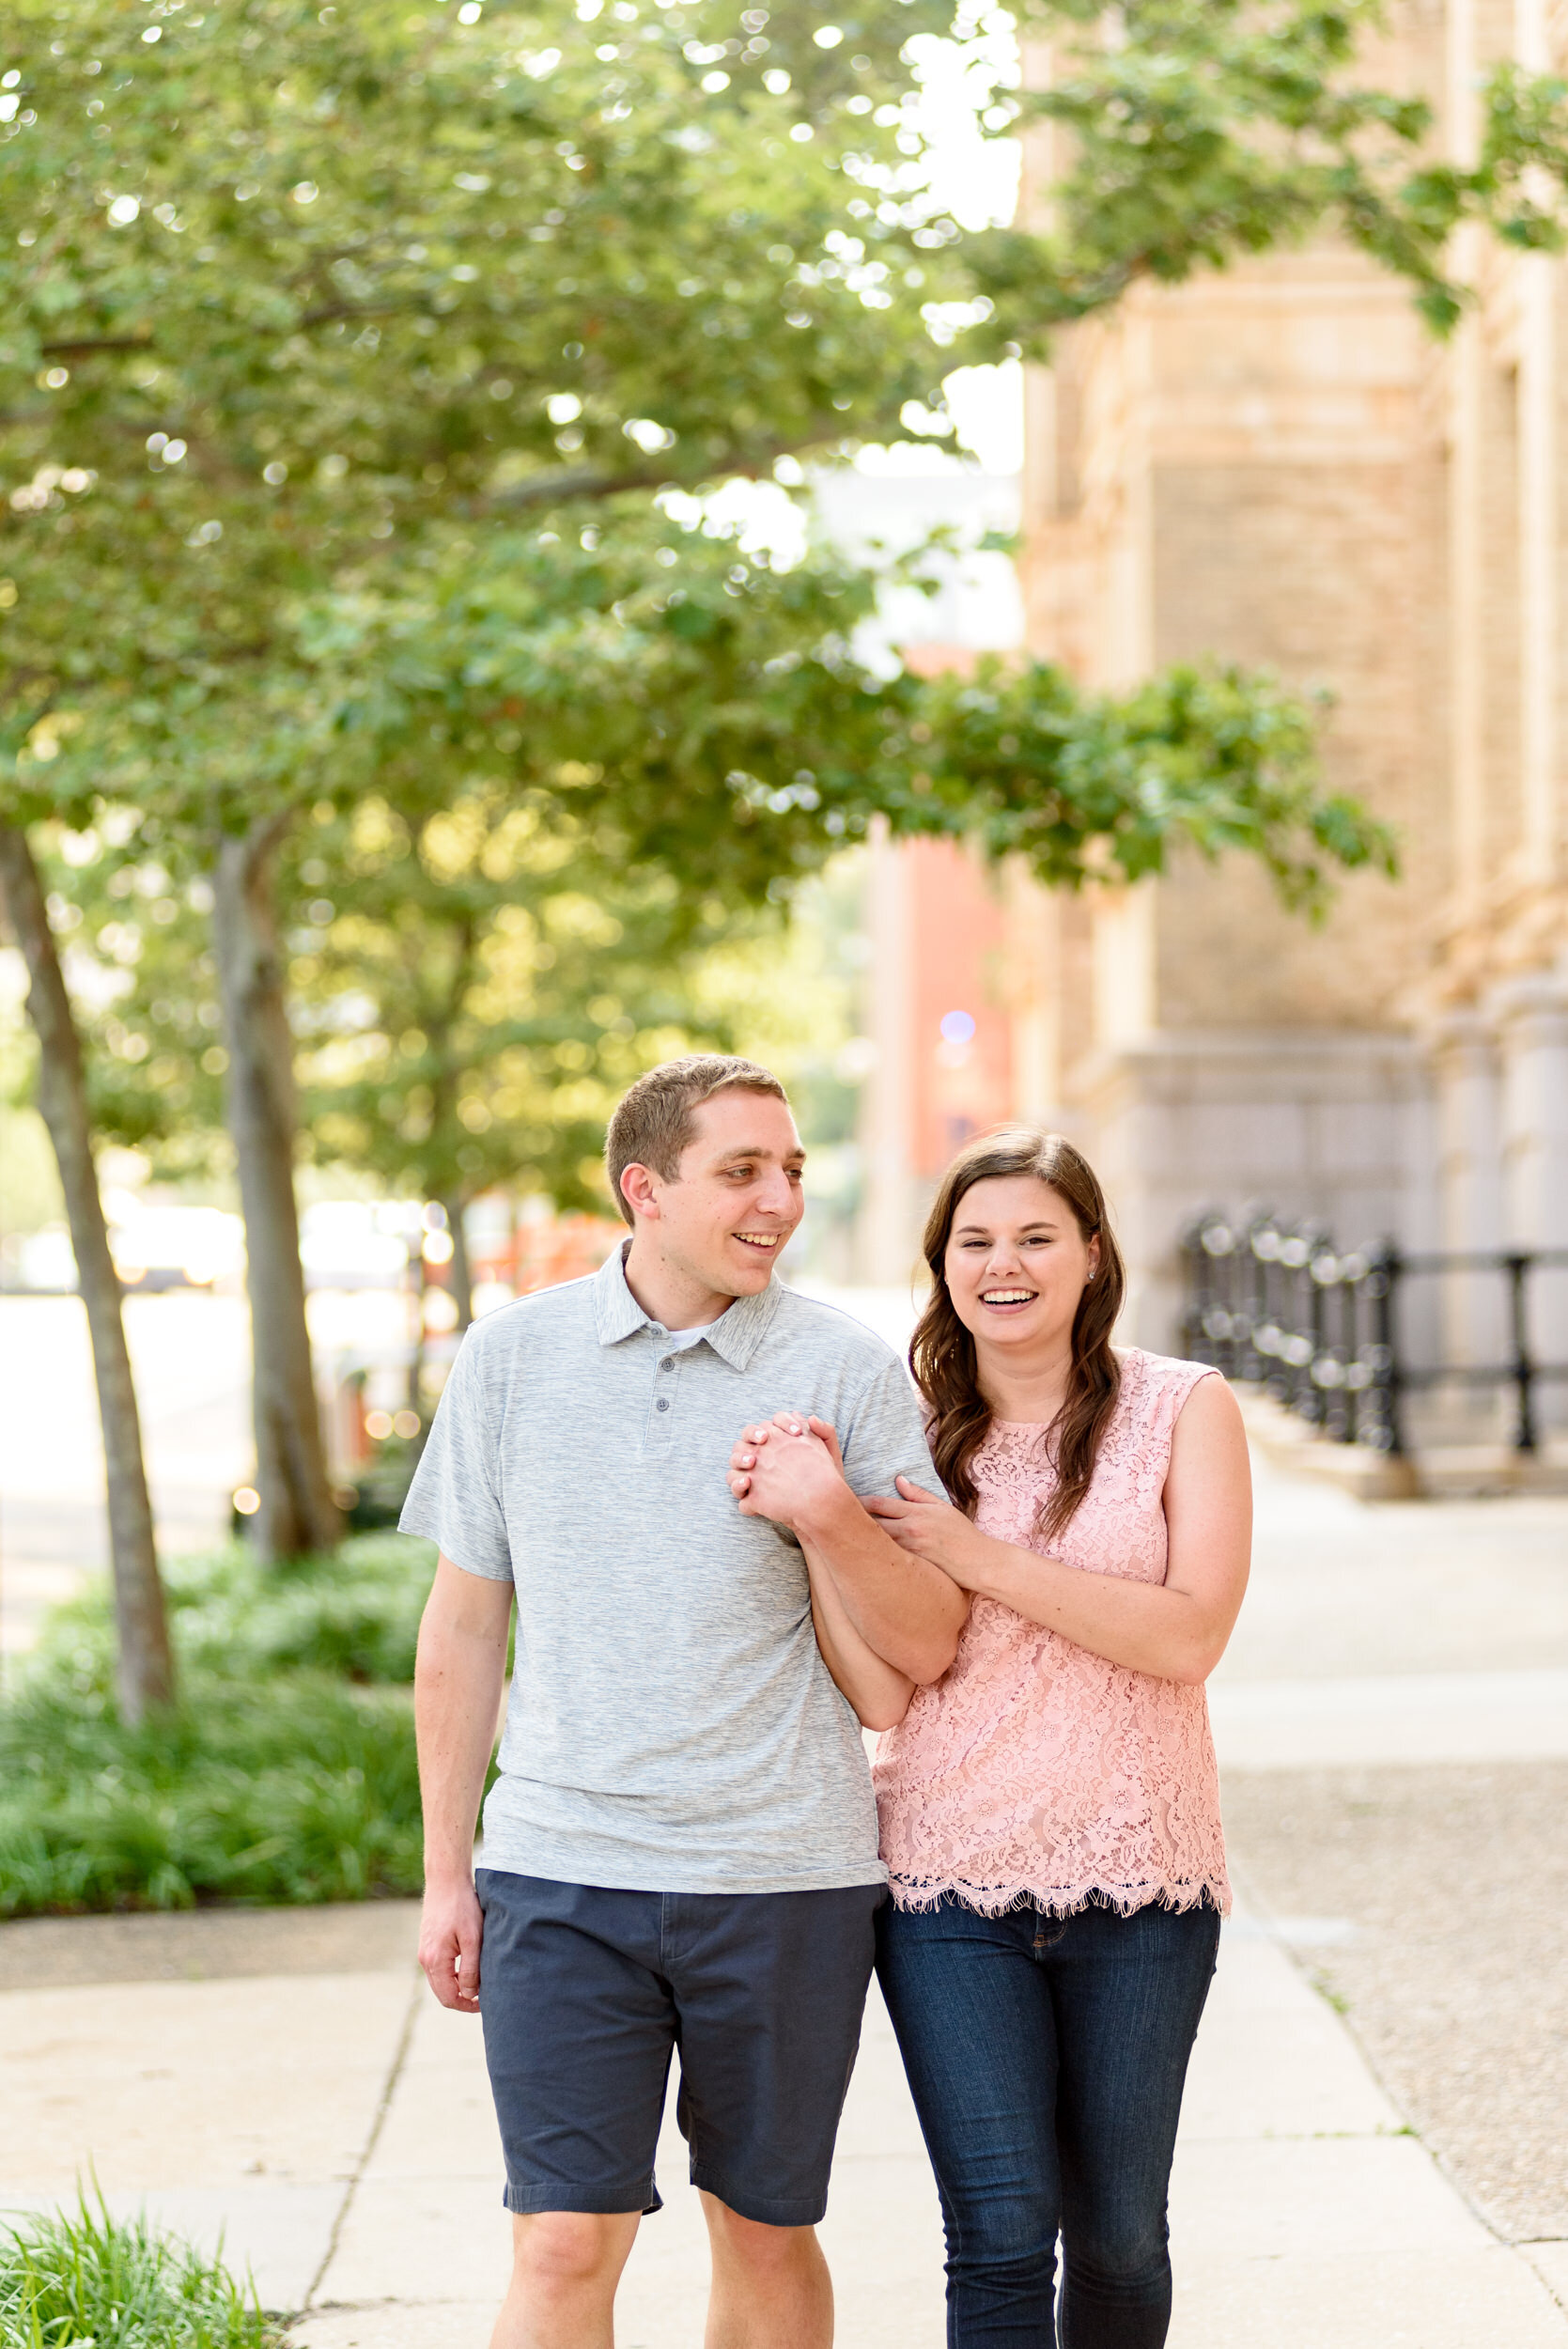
744, 464
85, 347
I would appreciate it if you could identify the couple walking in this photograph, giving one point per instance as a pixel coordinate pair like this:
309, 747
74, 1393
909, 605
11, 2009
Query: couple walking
735, 1534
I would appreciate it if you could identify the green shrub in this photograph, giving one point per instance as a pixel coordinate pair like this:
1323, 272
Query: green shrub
354, 1614
83, 2281
285, 1773
297, 1788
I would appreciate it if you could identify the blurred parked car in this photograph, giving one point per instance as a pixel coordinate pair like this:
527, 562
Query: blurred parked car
152, 1247
40, 1264
357, 1243
172, 1248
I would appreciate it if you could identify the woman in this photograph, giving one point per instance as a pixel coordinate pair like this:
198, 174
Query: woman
1050, 1808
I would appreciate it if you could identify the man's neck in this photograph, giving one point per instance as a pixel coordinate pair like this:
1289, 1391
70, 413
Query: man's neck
670, 1293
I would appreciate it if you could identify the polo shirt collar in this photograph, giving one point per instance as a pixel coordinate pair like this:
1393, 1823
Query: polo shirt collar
735, 1336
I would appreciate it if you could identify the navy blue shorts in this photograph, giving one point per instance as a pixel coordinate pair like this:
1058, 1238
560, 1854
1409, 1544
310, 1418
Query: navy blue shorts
584, 1993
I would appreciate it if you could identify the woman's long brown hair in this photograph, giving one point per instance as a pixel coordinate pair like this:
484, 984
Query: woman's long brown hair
942, 1352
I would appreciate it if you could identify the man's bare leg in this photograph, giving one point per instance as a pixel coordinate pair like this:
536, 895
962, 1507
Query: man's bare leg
771, 2289
565, 2265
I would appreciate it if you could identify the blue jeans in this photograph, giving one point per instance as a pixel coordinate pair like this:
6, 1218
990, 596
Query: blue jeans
1046, 2057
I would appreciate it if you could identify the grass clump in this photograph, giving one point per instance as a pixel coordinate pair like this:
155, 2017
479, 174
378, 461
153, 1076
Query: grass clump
79, 2279
285, 1773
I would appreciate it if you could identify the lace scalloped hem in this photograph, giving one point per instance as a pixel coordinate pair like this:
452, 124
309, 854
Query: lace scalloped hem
989, 1900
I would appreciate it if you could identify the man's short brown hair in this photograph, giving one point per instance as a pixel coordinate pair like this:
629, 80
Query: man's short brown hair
654, 1122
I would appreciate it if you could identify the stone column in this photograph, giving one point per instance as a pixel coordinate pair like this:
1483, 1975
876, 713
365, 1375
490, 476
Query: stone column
1471, 1183
1533, 1021
1540, 557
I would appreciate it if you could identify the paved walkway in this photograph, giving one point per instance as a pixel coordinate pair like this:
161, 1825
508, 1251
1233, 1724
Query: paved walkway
284, 2082
334, 2128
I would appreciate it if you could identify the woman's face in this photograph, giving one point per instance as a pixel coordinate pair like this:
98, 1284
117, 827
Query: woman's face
1017, 1263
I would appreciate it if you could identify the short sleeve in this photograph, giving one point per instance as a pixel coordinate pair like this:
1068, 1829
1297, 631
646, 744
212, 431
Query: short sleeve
455, 1499
885, 1438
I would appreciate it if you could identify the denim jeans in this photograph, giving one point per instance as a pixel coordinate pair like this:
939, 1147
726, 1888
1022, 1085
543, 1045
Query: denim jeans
1046, 2057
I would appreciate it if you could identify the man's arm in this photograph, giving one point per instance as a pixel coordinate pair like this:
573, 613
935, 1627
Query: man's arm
790, 1472
457, 1677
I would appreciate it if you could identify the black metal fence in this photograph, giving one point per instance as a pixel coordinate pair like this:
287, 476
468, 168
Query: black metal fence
1282, 1306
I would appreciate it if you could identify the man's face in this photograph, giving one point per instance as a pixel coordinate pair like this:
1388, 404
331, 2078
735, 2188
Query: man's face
725, 1219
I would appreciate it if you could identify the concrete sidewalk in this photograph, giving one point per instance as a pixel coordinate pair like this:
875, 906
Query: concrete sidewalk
333, 2130
284, 2080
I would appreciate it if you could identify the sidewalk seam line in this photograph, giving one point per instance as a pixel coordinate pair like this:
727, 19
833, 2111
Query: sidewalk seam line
405, 2039
1251, 1893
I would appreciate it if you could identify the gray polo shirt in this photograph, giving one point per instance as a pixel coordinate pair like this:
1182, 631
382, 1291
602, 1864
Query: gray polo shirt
671, 1726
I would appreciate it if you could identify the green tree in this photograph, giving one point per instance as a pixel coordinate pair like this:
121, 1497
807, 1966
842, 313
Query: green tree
291, 293
302, 301
438, 915
146, 1674
482, 993
1202, 130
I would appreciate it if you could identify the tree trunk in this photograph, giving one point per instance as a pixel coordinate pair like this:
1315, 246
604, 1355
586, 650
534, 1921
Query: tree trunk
145, 1661
298, 1513
462, 1271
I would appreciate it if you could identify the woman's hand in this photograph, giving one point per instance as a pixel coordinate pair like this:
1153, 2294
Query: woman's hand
787, 1468
931, 1528
885, 1624
744, 1452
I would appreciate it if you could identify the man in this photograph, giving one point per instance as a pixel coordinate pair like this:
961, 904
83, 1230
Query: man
681, 1847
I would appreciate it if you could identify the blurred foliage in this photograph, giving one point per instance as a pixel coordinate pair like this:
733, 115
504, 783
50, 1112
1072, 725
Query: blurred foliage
136, 950
76, 2278
354, 1614
1202, 130
1074, 783
29, 1180
296, 301
264, 230
792, 996
286, 1773
30, 1193
309, 310
361, 371
468, 1000
299, 1789
490, 936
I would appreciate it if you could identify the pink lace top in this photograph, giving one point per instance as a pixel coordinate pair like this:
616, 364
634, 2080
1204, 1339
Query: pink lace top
1033, 1770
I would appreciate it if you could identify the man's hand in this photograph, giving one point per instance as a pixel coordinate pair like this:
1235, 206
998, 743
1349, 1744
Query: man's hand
450, 1930
785, 1468
928, 1525
457, 1675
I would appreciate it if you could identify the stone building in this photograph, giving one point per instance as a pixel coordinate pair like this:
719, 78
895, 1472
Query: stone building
1280, 466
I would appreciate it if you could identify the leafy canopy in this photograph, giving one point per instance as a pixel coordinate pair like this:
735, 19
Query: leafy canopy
346, 353
1196, 131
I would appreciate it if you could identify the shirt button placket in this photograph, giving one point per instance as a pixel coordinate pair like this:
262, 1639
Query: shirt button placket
659, 1417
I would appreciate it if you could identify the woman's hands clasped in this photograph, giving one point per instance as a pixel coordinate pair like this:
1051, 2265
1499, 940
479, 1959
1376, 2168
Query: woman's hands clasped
778, 1465
776, 1462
